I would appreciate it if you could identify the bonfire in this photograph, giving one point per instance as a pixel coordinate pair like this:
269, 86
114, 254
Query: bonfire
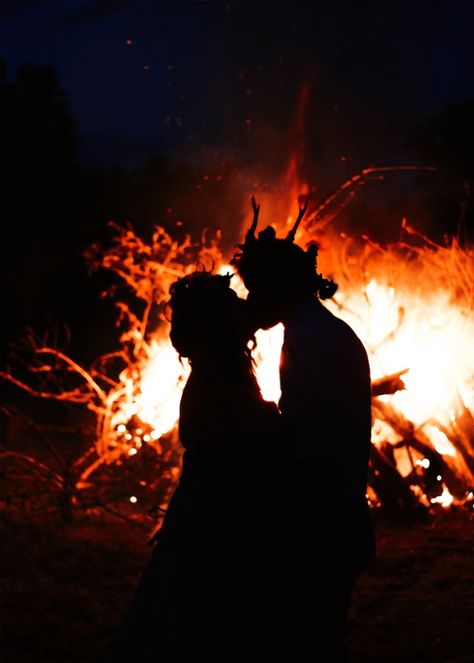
411, 303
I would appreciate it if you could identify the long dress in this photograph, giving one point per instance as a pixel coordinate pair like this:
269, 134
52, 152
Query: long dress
194, 602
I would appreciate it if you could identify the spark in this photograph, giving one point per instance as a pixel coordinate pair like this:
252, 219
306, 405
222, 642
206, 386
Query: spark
445, 499
424, 462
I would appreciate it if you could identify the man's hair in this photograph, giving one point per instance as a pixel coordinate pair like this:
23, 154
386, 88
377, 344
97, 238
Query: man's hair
266, 257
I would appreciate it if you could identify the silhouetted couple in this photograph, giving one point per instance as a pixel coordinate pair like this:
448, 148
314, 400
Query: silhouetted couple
269, 526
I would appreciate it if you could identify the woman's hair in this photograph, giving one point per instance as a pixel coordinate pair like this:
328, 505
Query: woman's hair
207, 316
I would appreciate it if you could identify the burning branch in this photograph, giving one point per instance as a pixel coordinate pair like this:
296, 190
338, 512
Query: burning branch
389, 384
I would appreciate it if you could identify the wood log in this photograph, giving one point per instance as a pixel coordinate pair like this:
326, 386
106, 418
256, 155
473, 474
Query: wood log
393, 491
389, 384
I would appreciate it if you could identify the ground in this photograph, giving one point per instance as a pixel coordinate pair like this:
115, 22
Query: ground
65, 588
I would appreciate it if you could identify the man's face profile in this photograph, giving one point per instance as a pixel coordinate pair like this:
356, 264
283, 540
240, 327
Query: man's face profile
266, 306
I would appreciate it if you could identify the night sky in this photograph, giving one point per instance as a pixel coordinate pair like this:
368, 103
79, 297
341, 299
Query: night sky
217, 87
185, 78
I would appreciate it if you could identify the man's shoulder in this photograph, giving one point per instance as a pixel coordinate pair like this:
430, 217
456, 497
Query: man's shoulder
316, 324
340, 326
344, 333
318, 317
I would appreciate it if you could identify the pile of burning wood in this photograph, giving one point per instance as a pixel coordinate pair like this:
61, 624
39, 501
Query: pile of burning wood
411, 303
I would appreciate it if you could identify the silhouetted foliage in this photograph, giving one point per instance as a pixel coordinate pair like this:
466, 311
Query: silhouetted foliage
39, 137
447, 142
42, 269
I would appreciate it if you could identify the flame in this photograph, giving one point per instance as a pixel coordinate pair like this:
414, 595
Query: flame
440, 440
267, 351
152, 394
431, 336
412, 308
267, 359
406, 320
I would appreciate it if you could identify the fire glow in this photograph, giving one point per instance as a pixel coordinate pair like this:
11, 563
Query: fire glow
410, 315
411, 304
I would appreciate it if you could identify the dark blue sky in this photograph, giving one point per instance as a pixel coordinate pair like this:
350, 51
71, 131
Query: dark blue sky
225, 76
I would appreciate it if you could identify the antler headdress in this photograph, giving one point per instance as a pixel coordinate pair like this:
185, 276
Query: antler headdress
261, 254
250, 234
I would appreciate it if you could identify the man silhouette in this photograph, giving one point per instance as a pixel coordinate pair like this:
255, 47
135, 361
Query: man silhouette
326, 408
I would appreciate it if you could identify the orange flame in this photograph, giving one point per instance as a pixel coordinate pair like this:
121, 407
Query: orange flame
412, 310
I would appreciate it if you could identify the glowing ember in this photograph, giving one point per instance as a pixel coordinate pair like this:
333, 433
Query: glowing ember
424, 462
445, 499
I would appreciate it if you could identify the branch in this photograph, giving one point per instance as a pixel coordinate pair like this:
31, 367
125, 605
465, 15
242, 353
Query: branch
13, 412
82, 372
389, 384
36, 463
117, 514
74, 396
351, 186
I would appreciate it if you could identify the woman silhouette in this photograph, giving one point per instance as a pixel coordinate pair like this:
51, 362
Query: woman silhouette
198, 597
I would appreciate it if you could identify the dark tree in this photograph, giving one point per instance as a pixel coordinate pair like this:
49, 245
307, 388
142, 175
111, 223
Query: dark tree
39, 138
446, 141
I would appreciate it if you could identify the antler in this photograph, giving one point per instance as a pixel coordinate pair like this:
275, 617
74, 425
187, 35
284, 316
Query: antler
302, 211
251, 231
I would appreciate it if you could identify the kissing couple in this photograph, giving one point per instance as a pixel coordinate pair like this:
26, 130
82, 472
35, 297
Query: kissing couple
269, 525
